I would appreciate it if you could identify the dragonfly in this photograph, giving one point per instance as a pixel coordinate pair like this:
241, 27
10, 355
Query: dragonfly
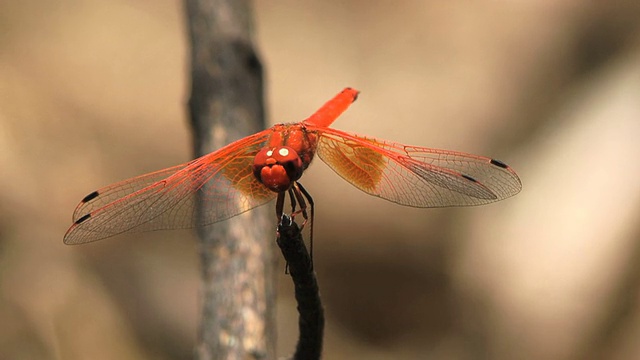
269, 164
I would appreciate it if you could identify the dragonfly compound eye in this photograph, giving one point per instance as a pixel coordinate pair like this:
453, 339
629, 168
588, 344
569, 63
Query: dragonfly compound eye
277, 168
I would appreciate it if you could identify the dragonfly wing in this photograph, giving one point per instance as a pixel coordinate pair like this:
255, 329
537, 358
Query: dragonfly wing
166, 199
108, 194
416, 176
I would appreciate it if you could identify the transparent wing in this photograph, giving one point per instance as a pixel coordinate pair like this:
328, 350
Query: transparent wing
416, 176
166, 199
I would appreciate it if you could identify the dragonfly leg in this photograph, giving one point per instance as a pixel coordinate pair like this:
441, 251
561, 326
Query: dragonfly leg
295, 192
301, 191
280, 205
293, 201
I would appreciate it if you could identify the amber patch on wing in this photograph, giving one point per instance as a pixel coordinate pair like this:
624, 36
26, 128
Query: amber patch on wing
358, 164
239, 172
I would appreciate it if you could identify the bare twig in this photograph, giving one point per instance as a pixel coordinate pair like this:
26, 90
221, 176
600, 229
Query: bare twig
311, 320
226, 104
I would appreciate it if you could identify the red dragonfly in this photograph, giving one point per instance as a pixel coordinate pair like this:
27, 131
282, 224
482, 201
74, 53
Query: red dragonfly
252, 171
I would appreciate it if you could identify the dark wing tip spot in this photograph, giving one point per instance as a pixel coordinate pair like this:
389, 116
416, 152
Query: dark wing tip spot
469, 178
82, 219
499, 163
90, 197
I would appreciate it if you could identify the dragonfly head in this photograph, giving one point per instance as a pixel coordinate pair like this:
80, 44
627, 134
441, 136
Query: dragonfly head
277, 167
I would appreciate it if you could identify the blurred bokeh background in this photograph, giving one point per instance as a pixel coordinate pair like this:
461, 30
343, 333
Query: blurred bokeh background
92, 92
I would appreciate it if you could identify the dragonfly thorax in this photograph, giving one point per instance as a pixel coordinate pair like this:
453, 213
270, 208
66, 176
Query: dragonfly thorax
277, 167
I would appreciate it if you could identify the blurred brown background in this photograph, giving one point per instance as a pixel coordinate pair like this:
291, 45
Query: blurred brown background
92, 92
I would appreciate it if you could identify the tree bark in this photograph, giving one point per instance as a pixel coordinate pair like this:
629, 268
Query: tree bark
226, 103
